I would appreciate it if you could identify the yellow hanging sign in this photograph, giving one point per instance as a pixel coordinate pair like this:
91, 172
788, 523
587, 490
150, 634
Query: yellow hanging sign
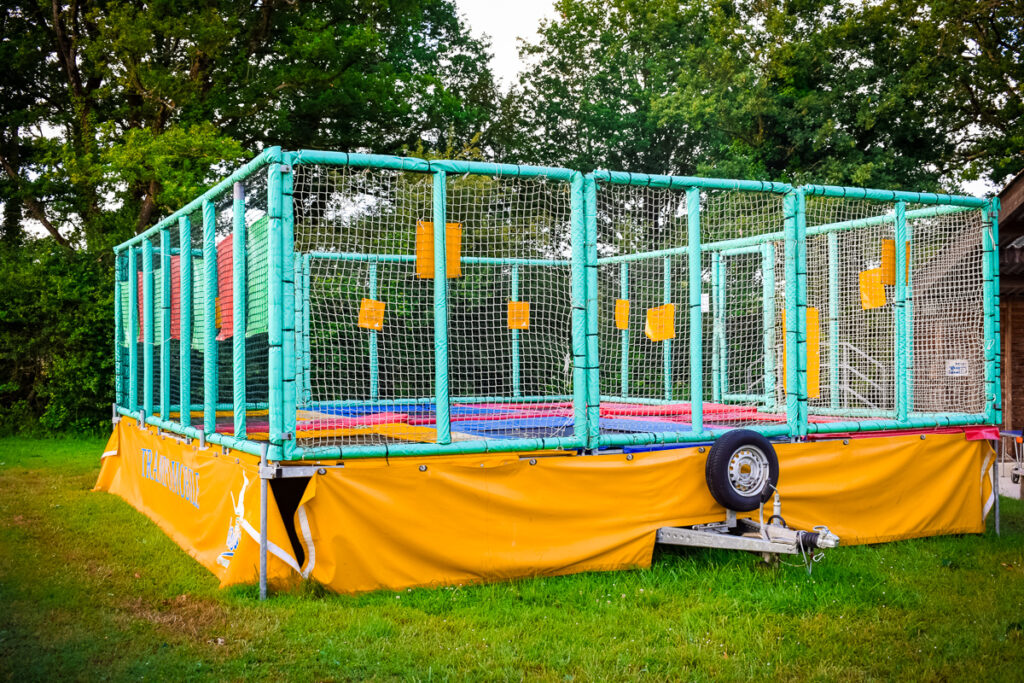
425, 250
661, 323
519, 315
872, 290
813, 352
371, 315
622, 314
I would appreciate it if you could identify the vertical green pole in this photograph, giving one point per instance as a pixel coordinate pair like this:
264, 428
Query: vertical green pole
624, 334
238, 318
716, 348
308, 353
516, 389
185, 345
289, 408
833, 319
442, 404
666, 351
768, 314
909, 317
900, 295
988, 317
210, 356
165, 324
592, 350
374, 368
147, 325
300, 331
696, 332
789, 207
997, 375
276, 309
119, 333
133, 329
581, 213
801, 319
723, 382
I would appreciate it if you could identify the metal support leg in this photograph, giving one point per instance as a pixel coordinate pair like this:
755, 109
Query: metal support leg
995, 479
264, 483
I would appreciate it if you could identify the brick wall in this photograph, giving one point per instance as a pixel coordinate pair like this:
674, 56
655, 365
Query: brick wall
1012, 321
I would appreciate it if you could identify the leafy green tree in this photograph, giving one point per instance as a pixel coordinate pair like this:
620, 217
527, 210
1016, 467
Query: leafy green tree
116, 112
914, 94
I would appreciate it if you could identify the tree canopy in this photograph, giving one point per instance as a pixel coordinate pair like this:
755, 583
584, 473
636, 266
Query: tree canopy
114, 113
910, 94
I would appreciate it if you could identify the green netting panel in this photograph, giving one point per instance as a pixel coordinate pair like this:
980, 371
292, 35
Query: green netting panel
861, 352
948, 353
643, 260
509, 315
355, 237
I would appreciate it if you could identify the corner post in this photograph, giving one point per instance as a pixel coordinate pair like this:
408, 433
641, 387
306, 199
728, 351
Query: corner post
801, 319
581, 210
275, 308
997, 332
900, 295
442, 400
792, 313
593, 381
290, 417
696, 334
988, 274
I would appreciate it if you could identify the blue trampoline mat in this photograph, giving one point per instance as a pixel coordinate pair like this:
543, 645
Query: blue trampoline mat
408, 408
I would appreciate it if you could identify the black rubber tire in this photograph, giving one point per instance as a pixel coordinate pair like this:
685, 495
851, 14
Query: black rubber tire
716, 470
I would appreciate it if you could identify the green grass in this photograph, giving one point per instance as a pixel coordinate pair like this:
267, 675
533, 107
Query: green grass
90, 589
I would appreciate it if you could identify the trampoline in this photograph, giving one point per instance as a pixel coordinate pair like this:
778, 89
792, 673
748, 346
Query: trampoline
315, 308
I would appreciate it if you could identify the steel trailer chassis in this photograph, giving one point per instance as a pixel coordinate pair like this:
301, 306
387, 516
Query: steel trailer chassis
770, 540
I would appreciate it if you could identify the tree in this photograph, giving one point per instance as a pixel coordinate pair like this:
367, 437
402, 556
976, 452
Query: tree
116, 112
909, 94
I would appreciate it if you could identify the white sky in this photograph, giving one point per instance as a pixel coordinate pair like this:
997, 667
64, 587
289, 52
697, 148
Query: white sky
504, 22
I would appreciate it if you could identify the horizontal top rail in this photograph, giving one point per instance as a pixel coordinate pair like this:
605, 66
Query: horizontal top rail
681, 182
267, 156
415, 164
892, 196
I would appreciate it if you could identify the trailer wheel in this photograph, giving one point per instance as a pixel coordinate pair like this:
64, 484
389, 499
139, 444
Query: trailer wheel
742, 470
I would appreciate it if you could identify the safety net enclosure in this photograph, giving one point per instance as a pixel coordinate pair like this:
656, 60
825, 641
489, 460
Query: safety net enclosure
312, 305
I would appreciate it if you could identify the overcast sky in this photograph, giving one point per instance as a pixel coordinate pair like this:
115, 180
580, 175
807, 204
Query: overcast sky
505, 22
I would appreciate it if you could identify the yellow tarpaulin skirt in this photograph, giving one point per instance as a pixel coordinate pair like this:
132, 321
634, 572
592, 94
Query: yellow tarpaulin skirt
388, 524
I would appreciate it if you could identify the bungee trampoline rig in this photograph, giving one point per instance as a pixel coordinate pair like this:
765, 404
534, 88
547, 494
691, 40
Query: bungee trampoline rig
297, 311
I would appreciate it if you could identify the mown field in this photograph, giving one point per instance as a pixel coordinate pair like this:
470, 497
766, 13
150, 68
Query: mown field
91, 589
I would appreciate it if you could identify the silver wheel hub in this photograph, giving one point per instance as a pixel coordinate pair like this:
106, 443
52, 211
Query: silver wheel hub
748, 471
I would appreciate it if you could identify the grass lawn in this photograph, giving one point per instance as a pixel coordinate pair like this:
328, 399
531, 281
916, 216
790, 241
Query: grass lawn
89, 588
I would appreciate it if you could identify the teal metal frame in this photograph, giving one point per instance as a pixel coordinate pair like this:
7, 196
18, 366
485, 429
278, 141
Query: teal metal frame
290, 279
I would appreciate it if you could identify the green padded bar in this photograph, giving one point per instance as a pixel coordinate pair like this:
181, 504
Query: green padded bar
238, 308
185, 344
147, 326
